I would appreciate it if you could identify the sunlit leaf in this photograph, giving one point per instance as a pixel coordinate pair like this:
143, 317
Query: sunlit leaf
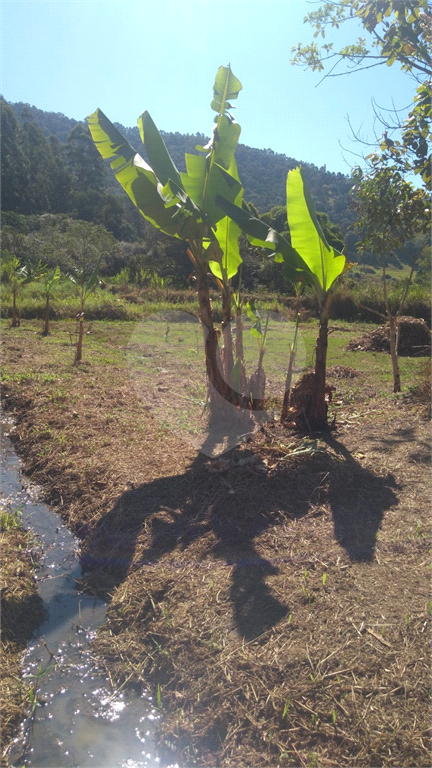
226, 88
138, 179
158, 155
227, 235
307, 237
260, 234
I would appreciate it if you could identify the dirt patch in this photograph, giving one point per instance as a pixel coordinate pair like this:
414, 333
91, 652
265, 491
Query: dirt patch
414, 339
275, 599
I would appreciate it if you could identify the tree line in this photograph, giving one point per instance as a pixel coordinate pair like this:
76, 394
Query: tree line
59, 150
52, 175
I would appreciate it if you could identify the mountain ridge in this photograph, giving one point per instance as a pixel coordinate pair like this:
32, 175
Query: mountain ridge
262, 171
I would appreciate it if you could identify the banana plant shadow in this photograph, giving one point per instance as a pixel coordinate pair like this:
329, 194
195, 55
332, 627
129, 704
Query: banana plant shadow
228, 508
358, 500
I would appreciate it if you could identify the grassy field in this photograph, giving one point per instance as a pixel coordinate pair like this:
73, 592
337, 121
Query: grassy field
351, 302
275, 597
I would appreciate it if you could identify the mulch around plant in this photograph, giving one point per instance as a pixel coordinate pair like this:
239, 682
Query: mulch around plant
276, 597
414, 339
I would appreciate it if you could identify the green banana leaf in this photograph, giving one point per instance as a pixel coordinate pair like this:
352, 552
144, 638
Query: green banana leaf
158, 155
216, 174
263, 236
226, 87
51, 278
255, 317
307, 237
224, 141
140, 182
309, 258
109, 141
227, 235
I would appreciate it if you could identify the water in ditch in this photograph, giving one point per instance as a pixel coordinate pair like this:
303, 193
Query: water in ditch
79, 722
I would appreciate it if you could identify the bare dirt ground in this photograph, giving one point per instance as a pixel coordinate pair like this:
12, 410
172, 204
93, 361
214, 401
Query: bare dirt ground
276, 603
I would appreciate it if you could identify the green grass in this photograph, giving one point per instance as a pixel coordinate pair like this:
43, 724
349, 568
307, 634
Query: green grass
10, 519
353, 301
145, 343
128, 303
375, 273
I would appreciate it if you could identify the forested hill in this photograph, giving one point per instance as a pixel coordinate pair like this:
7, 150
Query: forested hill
51, 123
263, 172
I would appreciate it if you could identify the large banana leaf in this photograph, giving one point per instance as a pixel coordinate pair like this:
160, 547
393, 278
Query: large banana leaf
203, 184
227, 234
224, 141
158, 155
307, 237
309, 258
109, 141
216, 173
226, 88
140, 182
228, 253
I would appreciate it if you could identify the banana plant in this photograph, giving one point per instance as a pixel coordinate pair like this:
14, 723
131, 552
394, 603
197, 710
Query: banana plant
85, 280
288, 380
307, 260
49, 280
183, 204
18, 275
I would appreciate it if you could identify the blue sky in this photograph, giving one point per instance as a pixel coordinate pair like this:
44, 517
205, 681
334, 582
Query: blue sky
125, 56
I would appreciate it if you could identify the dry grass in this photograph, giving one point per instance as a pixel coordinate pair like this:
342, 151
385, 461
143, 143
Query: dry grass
277, 630
21, 612
276, 604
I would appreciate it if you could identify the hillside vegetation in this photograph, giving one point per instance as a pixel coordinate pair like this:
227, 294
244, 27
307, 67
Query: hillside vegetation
263, 172
52, 173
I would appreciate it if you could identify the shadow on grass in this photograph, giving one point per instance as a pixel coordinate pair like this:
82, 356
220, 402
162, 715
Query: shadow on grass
228, 509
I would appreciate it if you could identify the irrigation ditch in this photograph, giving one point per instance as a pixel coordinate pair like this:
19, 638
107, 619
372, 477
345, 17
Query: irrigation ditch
76, 718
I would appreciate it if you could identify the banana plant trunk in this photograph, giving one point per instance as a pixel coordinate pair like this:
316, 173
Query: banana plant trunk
288, 380
316, 413
257, 385
214, 373
228, 357
239, 352
46, 330
15, 316
79, 345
